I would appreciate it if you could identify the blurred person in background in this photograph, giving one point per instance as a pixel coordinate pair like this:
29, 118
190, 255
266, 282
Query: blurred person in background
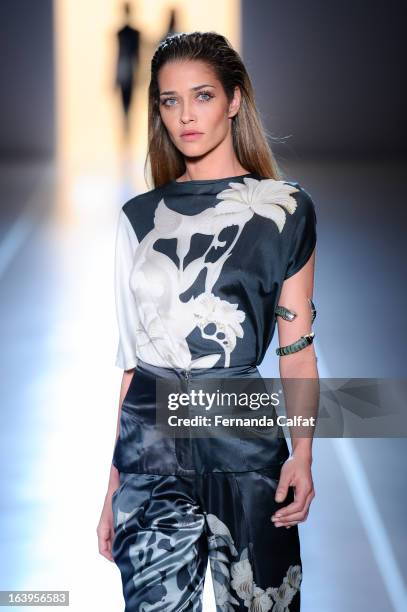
128, 40
172, 24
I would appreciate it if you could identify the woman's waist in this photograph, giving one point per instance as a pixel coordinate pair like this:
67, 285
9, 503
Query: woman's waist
193, 372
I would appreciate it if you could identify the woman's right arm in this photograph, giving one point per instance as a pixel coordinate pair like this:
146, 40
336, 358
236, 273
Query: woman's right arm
114, 477
105, 529
126, 359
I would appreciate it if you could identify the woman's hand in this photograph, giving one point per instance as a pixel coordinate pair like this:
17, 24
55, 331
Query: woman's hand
105, 530
295, 472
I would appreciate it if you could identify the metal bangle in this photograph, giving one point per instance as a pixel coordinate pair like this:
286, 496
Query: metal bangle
313, 310
289, 315
298, 345
284, 313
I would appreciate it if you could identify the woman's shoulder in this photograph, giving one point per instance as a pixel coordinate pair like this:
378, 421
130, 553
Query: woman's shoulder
293, 190
302, 189
143, 199
302, 222
305, 204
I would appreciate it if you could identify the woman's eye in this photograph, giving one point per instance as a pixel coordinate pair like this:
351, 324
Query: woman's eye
168, 100
205, 93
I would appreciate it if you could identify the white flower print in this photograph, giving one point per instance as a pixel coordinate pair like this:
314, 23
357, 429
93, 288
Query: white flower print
283, 596
294, 576
261, 601
157, 282
221, 532
209, 308
267, 197
240, 575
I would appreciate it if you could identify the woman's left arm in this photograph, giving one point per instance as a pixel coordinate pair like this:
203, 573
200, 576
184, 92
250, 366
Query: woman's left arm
298, 363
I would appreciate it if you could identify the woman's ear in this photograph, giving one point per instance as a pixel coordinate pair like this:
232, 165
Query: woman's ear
235, 103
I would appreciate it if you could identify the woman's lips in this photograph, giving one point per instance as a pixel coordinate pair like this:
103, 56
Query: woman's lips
193, 136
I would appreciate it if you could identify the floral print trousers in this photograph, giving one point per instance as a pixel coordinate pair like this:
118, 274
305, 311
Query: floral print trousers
168, 525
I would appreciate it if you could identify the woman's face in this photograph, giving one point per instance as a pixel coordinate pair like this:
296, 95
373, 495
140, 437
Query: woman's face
192, 99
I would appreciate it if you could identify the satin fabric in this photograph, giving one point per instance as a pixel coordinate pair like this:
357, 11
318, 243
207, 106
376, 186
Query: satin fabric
184, 501
200, 265
167, 527
144, 447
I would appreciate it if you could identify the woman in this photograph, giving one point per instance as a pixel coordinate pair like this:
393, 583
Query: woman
206, 263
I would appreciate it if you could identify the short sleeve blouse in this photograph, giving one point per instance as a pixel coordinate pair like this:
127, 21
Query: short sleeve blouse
199, 267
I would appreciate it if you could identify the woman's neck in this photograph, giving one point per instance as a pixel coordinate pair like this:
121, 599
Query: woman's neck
201, 174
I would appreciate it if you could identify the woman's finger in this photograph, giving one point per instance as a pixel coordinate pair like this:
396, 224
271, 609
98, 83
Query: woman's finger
299, 515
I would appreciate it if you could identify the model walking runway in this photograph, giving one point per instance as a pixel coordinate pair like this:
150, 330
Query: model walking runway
205, 263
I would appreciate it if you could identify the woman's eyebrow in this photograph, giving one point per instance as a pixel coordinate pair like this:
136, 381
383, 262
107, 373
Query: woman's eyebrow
192, 88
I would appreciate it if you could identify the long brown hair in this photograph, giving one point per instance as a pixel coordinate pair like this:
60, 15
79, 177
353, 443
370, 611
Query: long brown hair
249, 140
